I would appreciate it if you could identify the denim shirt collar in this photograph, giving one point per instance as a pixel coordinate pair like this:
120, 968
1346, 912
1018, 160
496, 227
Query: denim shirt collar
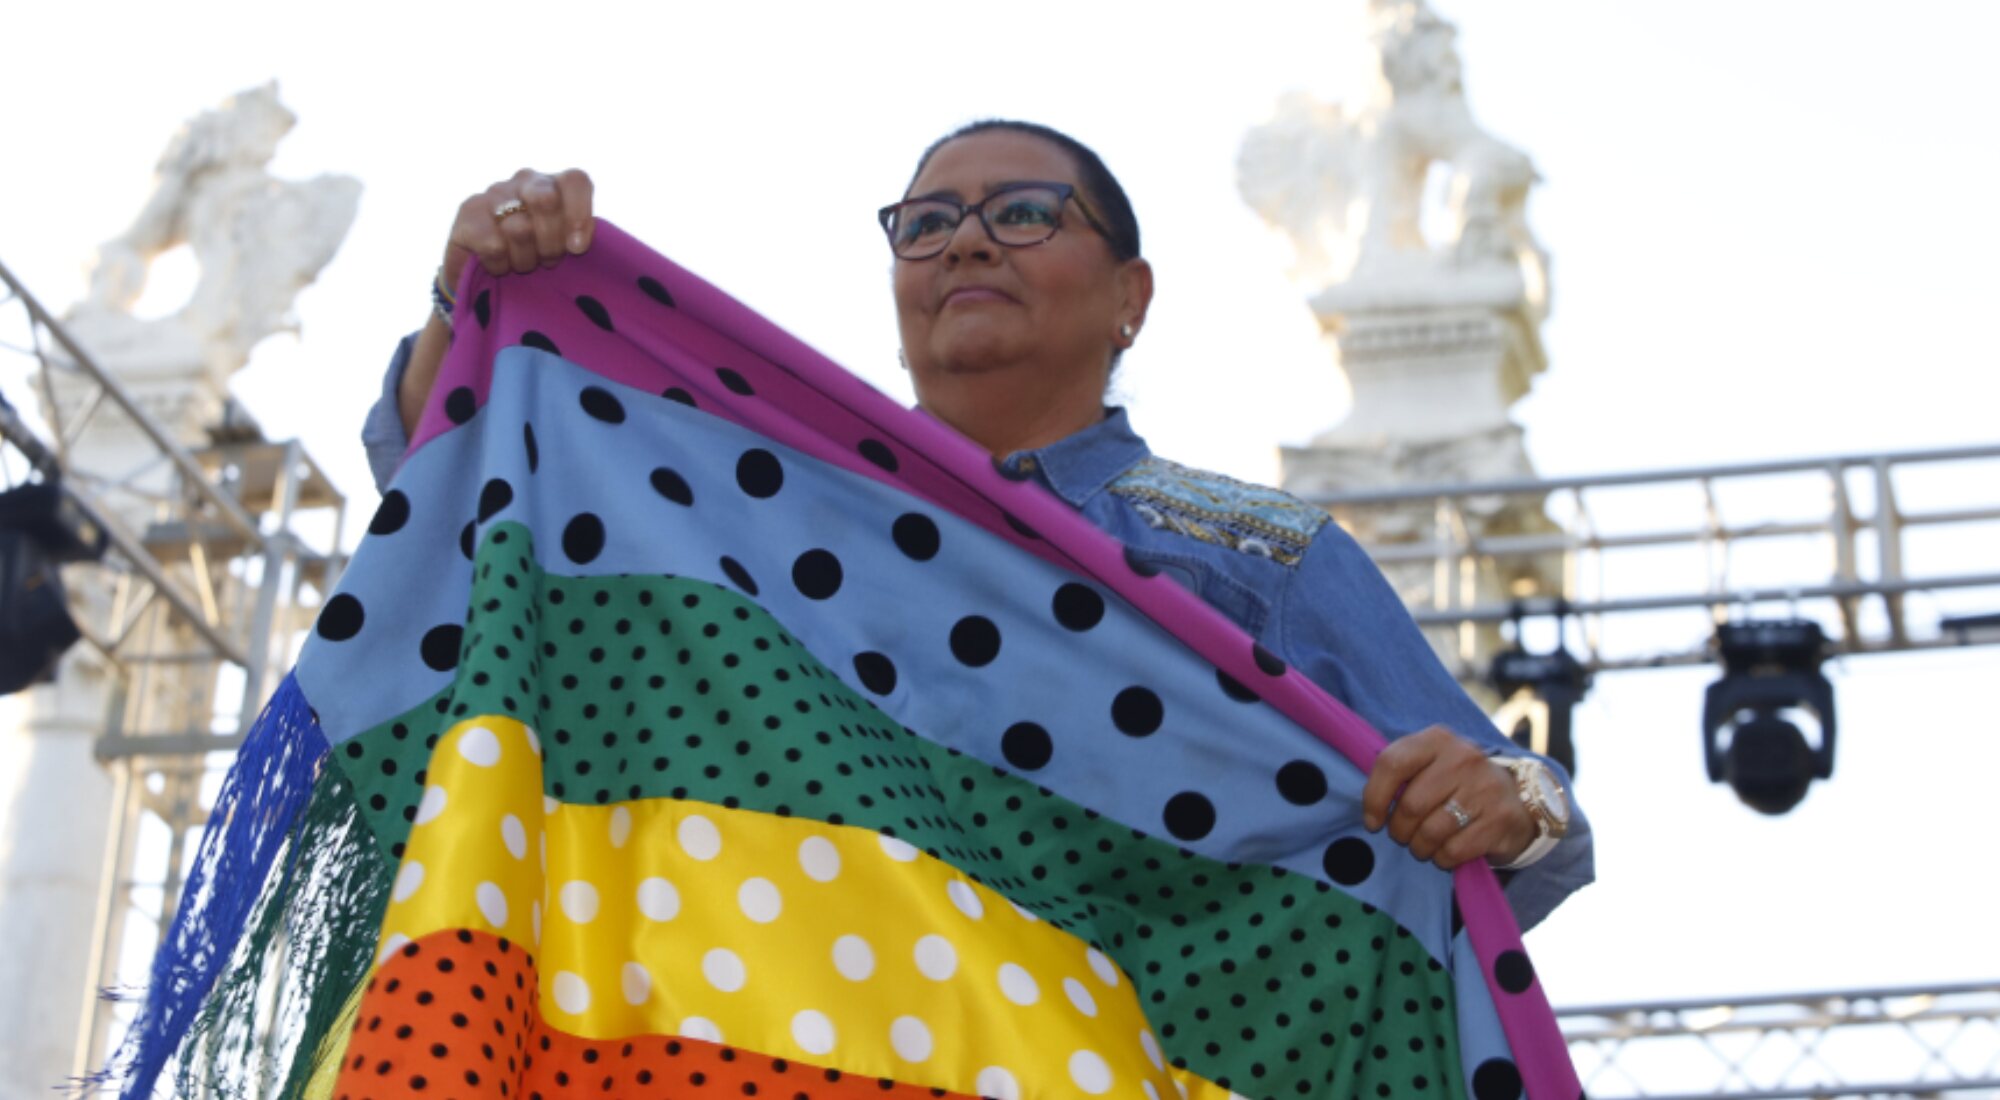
1079, 466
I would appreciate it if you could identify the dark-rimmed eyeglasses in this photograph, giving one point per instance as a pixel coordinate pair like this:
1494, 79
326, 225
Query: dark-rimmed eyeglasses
1018, 215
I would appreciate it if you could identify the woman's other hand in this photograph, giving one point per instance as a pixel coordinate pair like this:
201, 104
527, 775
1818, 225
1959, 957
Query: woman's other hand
529, 220
1415, 780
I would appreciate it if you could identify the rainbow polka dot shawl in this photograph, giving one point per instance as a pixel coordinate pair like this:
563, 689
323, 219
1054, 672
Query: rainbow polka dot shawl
695, 721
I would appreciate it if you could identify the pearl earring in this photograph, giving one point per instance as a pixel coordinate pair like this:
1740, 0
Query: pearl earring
1125, 331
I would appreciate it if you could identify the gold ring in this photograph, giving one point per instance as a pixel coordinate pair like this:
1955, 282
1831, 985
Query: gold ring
511, 206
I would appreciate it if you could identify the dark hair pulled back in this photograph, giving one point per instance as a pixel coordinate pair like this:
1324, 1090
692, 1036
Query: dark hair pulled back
1107, 199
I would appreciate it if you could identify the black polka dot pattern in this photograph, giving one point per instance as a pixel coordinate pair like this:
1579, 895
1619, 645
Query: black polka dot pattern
1137, 712
878, 452
1349, 861
975, 641
391, 514
440, 647
539, 342
877, 672
1234, 688
534, 451
1513, 971
652, 289
583, 538
916, 536
594, 309
1140, 565
341, 618
735, 383
1189, 815
460, 404
672, 486
482, 308
1496, 1079
1178, 816
1301, 783
1267, 662
1248, 973
494, 496
1078, 607
1020, 528
738, 576
601, 405
679, 395
817, 574
759, 473
1027, 746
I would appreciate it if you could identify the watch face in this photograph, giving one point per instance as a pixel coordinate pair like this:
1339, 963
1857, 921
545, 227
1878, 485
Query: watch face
1550, 794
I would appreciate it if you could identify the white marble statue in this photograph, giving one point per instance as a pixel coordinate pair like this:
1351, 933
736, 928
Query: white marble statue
1347, 183
258, 240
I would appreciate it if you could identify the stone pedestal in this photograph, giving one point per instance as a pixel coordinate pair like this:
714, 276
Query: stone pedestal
1432, 387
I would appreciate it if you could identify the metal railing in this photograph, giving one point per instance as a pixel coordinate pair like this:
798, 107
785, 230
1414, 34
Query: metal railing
1860, 570
1910, 1041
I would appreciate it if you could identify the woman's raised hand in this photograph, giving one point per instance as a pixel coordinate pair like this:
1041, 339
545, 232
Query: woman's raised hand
529, 220
524, 222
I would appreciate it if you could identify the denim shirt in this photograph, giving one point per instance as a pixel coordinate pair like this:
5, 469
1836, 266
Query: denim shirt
1274, 565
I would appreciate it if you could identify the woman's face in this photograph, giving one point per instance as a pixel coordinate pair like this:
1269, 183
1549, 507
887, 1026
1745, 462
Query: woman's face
1048, 314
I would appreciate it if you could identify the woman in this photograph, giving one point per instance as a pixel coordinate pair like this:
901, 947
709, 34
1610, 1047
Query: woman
1014, 304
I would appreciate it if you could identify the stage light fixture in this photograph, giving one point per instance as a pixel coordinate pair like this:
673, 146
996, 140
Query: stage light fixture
1539, 692
41, 529
1771, 675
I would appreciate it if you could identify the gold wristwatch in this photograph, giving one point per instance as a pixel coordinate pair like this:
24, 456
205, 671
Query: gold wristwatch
1547, 805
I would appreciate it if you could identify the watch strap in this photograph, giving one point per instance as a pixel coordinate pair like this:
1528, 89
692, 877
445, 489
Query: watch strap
1542, 845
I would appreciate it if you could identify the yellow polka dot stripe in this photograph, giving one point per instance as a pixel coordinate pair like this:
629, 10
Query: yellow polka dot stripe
831, 945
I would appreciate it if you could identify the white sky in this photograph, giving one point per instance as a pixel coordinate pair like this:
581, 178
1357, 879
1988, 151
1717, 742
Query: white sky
1772, 236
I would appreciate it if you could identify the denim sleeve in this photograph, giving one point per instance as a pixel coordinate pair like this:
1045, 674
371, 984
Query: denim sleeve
382, 432
1341, 624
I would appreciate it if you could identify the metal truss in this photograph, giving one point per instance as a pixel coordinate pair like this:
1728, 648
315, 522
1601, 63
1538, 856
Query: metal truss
218, 559
1673, 529
1935, 1041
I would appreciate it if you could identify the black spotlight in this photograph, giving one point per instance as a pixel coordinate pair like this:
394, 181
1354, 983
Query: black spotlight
40, 530
1539, 692
1769, 669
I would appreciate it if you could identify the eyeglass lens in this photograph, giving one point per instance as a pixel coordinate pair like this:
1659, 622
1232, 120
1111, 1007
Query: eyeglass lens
1015, 217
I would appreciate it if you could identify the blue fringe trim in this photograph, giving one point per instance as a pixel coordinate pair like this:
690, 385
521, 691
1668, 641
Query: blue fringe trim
260, 800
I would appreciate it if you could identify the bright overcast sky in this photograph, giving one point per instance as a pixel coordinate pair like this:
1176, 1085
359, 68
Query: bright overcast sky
1772, 232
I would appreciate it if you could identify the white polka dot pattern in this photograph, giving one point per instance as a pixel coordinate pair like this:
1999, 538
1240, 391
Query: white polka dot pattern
492, 904
1088, 1069
813, 1032
936, 958
572, 993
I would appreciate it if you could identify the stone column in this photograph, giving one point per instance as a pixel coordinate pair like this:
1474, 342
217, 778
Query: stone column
55, 813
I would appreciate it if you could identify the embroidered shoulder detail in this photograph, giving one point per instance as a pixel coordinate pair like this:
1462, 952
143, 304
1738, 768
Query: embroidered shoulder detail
1250, 519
